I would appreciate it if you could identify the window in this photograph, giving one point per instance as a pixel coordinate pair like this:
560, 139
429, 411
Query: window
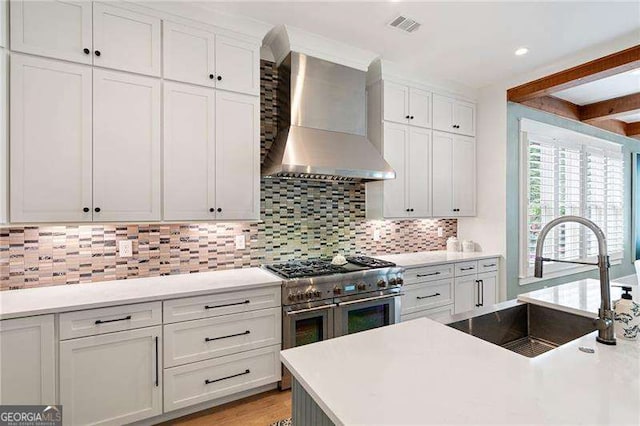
568, 173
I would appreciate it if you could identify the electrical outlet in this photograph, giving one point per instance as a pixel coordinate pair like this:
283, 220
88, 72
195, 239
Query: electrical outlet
240, 242
376, 235
440, 231
125, 248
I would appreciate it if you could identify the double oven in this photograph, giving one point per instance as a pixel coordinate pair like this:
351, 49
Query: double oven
320, 308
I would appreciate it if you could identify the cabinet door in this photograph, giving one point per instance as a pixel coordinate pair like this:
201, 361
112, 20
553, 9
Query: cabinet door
189, 152
396, 102
443, 113
188, 54
27, 361
237, 156
126, 40
4, 136
464, 176
126, 147
419, 176
112, 379
396, 140
489, 288
237, 65
419, 108
466, 293
464, 117
50, 140
4, 24
442, 174
58, 29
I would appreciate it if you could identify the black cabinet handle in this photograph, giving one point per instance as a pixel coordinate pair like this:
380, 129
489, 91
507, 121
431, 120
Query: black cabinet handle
219, 209
211, 76
478, 298
86, 209
97, 52
220, 79
481, 293
86, 51
97, 209
211, 339
247, 371
225, 305
456, 210
469, 268
428, 275
128, 317
491, 265
427, 297
212, 209
157, 367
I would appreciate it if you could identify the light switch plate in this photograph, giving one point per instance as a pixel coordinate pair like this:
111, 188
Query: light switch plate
125, 248
440, 231
376, 235
240, 242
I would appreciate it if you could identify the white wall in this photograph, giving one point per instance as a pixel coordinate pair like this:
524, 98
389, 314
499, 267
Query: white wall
488, 228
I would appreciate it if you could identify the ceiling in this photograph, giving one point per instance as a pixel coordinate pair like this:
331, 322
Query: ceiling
470, 43
599, 90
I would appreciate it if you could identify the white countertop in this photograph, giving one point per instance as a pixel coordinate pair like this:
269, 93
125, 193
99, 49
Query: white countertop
61, 298
427, 258
423, 372
579, 297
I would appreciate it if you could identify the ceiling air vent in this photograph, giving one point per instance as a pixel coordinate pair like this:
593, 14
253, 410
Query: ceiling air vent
405, 24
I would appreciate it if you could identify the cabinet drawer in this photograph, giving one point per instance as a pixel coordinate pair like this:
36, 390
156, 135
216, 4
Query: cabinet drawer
213, 337
428, 273
107, 320
206, 380
466, 268
488, 265
191, 308
439, 314
424, 296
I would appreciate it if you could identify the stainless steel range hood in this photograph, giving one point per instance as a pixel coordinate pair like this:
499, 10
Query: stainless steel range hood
321, 124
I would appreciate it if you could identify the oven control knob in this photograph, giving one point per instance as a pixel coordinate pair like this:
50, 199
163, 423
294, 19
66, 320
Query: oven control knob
399, 281
317, 294
392, 281
362, 286
299, 296
309, 295
382, 283
292, 297
337, 290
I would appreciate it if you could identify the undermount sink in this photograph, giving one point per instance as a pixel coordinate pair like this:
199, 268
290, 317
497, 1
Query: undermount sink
524, 328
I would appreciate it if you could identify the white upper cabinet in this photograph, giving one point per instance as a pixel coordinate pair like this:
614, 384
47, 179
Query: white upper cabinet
58, 29
50, 140
454, 175
4, 24
189, 152
237, 154
419, 108
126, 147
189, 54
419, 181
125, 40
4, 134
395, 102
453, 115
237, 65
396, 139
28, 361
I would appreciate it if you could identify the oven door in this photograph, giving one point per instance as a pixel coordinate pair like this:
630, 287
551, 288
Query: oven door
365, 313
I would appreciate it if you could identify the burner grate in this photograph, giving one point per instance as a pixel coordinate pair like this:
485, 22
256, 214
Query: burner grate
369, 262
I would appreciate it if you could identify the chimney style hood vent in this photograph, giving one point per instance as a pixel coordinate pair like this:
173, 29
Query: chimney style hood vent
321, 124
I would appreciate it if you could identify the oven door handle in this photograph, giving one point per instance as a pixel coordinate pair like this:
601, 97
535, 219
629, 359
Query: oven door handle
368, 299
317, 308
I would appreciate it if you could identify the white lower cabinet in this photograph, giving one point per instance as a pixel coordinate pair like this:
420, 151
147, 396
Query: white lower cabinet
439, 314
466, 289
419, 297
28, 361
207, 380
112, 379
475, 290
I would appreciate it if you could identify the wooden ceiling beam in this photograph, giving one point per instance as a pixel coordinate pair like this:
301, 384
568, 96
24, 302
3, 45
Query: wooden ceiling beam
633, 129
555, 106
597, 69
610, 108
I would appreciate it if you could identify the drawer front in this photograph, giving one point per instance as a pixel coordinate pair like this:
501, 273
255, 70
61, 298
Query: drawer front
488, 265
428, 295
428, 273
466, 268
439, 314
207, 380
191, 341
191, 308
107, 320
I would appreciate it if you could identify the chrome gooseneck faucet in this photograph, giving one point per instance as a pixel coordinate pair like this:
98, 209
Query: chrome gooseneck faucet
605, 313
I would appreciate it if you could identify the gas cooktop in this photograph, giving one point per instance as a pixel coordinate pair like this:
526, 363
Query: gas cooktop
319, 267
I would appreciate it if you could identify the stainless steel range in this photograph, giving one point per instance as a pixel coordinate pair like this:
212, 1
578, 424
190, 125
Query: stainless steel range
321, 300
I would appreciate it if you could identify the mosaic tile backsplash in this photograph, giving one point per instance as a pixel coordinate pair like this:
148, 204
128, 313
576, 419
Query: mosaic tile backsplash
299, 219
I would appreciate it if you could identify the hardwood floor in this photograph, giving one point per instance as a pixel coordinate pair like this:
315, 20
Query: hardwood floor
258, 410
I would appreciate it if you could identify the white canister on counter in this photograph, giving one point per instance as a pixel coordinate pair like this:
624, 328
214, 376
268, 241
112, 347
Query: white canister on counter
627, 316
468, 245
453, 244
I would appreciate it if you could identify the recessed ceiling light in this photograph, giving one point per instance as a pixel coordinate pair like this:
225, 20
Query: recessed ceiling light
521, 51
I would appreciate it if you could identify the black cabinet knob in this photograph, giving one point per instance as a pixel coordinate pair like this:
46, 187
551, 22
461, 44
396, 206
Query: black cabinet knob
212, 209
211, 76
219, 77
86, 209
408, 210
407, 117
97, 209
97, 52
411, 209
411, 118
219, 209
86, 51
